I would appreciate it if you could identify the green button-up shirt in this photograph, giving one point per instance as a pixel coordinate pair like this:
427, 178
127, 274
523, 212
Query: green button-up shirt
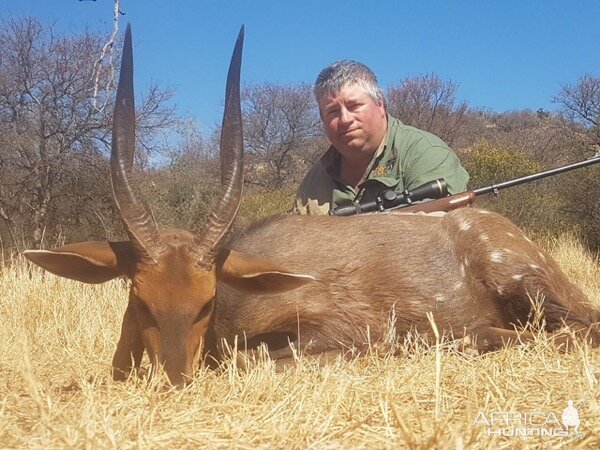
407, 158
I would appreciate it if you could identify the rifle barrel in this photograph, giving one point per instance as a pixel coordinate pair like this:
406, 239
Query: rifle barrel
537, 176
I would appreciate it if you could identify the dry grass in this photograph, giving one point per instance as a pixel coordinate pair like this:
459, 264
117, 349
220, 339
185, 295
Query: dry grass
57, 340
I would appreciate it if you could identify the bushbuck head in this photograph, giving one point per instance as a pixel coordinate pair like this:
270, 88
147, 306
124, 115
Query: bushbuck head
173, 273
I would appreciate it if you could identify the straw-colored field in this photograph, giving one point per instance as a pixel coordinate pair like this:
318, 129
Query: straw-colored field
57, 339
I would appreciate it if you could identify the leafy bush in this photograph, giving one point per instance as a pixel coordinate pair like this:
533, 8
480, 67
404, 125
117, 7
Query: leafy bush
581, 191
536, 206
259, 204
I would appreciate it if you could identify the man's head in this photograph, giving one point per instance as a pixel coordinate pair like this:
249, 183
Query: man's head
333, 78
352, 108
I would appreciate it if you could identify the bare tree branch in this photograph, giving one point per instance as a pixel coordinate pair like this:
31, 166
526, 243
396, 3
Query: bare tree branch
429, 103
581, 103
107, 54
53, 135
281, 126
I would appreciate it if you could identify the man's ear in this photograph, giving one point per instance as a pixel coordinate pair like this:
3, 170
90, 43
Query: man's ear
247, 273
90, 262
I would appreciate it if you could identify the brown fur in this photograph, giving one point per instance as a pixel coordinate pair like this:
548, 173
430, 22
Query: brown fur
471, 268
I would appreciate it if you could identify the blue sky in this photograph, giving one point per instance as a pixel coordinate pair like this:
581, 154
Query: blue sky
504, 55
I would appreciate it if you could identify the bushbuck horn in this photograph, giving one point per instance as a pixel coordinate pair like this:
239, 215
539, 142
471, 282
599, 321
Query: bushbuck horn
138, 222
206, 245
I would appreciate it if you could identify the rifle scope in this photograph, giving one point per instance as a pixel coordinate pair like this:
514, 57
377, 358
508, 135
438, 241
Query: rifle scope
389, 199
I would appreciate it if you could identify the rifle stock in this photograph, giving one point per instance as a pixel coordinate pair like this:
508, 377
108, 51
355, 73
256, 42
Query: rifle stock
442, 204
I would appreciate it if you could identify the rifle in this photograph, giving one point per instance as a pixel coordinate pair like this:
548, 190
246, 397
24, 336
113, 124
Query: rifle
437, 193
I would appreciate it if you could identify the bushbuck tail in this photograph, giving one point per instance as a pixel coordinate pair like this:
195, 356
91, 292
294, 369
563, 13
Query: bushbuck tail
317, 285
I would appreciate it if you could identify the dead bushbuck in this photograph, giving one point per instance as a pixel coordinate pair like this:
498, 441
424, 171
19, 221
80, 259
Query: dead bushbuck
316, 285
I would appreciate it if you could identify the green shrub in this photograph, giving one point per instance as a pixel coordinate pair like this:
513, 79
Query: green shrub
179, 201
488, 164
581, 190
258, 204
535, 206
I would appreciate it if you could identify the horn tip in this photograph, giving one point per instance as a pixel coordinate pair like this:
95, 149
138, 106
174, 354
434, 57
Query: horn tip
127, 43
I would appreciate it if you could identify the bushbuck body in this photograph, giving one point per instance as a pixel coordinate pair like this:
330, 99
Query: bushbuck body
322, 284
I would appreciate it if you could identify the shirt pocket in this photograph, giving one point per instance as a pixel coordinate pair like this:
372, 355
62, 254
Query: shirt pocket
371, 188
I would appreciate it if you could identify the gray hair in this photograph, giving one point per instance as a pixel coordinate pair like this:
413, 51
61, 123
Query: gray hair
341, 73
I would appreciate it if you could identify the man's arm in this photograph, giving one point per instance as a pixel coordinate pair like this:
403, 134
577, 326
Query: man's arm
433, 162
314, 194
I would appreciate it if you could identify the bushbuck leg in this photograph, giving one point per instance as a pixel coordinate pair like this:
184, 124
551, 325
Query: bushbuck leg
129, 348
496, 254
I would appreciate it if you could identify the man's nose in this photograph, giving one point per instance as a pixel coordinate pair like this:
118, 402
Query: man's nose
345, 115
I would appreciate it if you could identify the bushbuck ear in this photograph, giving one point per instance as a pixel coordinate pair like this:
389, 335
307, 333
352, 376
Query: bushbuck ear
245, 272
90, 262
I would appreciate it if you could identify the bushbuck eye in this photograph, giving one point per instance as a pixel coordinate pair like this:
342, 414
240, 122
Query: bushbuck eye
144, 310
143, 307
206, 310
145, 318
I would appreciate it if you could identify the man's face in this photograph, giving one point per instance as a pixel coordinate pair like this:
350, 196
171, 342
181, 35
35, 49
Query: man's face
354, 123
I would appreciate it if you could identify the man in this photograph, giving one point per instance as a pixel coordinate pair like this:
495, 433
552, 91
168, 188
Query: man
370, 150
